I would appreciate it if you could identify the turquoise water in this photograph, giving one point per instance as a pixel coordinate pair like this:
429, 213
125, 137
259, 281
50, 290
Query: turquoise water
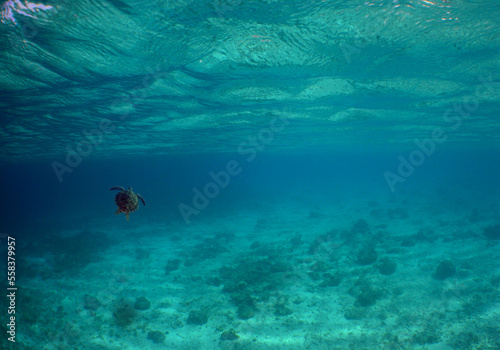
316, 175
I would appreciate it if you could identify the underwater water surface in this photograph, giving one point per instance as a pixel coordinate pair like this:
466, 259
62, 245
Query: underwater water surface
315, 175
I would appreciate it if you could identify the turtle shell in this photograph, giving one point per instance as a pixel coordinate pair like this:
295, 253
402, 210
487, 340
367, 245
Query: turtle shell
127, 201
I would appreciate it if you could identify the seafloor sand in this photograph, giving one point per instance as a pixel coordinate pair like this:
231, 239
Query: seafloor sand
285, 275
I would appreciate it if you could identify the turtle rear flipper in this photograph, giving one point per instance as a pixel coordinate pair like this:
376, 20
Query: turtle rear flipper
141, 199
126, 216
118, 211
117, 188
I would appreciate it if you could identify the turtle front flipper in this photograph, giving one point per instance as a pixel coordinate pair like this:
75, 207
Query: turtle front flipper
118, 211
141, 199
127, 216
117, 188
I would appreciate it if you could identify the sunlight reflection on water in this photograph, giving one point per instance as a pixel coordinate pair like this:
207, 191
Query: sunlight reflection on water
27, 8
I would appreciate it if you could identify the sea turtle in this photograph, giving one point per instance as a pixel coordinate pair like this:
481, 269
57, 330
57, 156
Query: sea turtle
127, 200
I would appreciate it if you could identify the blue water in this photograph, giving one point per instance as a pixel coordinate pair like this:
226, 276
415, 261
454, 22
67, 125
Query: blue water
319, 175
33, 191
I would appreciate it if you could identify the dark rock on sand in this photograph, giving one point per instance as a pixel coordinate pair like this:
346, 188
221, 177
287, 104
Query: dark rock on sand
386, 266
492, 232
156, 336
367, 256
444, 270
229, 335
90, 303
197, 317
142, 303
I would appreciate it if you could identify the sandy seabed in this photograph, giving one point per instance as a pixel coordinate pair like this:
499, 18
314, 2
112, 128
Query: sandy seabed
288, 274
